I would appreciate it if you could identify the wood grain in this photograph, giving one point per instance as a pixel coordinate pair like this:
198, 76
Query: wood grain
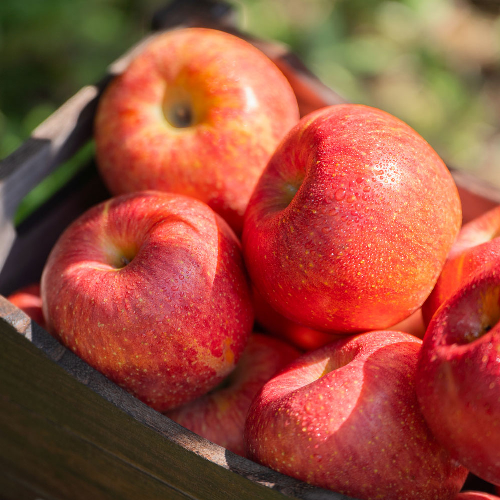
57, 410
38, 233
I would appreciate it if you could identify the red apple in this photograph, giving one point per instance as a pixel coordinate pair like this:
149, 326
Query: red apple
477, 244
149, 288
28, 300
346, 417
220, 415
351, 222
475, 495
308, 339
458, 375
302, 337
413, 324
198, 112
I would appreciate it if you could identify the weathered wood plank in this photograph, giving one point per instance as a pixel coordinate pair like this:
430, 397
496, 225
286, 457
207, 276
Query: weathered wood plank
13, 488
100, 414
63, 465
38, 233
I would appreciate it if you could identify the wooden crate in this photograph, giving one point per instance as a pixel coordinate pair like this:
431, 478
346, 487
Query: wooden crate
67, 432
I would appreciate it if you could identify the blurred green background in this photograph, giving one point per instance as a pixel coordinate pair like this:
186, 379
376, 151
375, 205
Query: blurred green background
433, 63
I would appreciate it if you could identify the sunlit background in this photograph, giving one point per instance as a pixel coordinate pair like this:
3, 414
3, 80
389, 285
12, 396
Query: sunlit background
433, 63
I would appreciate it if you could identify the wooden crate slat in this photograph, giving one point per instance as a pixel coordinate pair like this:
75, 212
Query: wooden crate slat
99, 412
15, 488
65, 466
37, 234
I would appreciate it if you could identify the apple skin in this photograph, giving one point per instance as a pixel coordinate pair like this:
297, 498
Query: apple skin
458, 374
475, 495
302, 337
413, 325
307, 339
237, 106
149, 288
346, 417
28, 299
477, 245
220, 415
351, 222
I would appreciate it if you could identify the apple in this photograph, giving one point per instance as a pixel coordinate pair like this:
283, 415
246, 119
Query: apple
302, 337
307, 339
28, 299
220, 415
198, 112
346, 417
351, 222
413, 324
475, 495
458, 374
149, 288
477, 244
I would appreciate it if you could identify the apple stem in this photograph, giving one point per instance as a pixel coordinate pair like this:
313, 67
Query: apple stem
124, 260
181, 116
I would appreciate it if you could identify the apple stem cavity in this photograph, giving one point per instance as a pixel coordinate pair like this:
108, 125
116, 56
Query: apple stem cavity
479, 310
338, 360
124, 261
180, 115
290, 191
119, 260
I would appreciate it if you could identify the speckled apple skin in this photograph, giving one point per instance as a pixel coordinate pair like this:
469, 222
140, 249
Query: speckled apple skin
307, 339
345, 417
172, 323
362, 241
244, 106
220, 415
477, 245
458, 374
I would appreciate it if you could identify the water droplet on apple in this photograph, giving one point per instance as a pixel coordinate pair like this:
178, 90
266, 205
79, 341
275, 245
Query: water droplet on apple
366, 189
340, 194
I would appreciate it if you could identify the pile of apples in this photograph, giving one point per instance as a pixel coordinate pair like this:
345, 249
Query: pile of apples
330, 230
